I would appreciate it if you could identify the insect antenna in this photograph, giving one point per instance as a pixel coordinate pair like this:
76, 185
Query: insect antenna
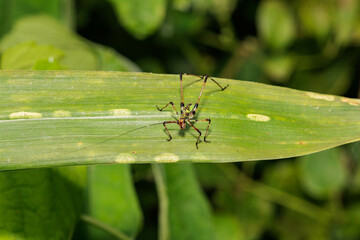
174, 117
112, 138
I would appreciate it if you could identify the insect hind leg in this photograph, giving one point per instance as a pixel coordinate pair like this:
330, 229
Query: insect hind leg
222, 88
207, 76
195, 75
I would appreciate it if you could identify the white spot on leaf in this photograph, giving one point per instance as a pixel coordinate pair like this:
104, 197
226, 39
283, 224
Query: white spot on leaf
199, 157
120, 112
258, 117
351, 101
166, 158
320, 96
62, 113
19, 115
125, 158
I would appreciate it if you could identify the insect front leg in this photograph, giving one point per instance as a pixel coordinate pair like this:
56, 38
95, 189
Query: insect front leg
207, 129
168, 133
160, 109
187, 107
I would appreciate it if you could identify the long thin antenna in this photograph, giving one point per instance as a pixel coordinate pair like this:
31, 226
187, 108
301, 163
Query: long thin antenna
112, 138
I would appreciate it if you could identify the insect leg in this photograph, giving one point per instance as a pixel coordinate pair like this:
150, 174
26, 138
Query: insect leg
190, 74
168, 133
207, 129
198, 100
222, 88
182, 104
160, 109
203, 76
197, 141
187, 107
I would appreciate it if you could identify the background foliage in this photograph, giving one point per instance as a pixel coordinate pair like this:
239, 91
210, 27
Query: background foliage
302, 44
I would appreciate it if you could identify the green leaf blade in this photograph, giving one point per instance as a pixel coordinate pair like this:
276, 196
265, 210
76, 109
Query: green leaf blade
27, 55
276, 24
323, 175
139, 17
184, 210
117, 204
58, 118
40, 204
11, 11
41, 32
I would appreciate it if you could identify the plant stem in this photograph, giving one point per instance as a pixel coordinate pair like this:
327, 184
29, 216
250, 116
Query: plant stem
276, 196
163, 201
105, 227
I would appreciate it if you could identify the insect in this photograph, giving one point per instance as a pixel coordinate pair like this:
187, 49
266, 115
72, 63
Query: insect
186, 115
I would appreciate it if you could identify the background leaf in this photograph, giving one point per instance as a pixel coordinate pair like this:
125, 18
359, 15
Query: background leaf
40, 204
13, 10
334, 80
316, 19
112, 200
27, 55
276, 24
228, 227
78, 54
140, 17
323, 174
185, 212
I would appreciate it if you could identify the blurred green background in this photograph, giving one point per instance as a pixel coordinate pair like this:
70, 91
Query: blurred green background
303, 44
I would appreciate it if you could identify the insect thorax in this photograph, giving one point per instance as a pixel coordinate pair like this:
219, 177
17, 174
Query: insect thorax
184, 116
